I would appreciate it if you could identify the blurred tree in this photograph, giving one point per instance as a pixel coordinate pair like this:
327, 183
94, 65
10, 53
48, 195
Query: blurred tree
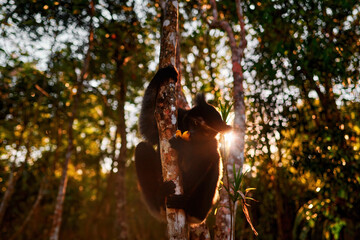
305, 68
15, 101
227, 209
120, 65
57, 217
64, 65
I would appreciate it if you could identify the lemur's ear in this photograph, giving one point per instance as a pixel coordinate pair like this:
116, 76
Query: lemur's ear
200, 99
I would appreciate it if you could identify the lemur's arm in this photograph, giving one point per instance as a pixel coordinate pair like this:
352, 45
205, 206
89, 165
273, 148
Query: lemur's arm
147, 123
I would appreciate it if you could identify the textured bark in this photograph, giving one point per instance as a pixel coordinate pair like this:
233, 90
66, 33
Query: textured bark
223, 217
180, 97
166, 117
57, 217
169, 34
200, 232
226, 211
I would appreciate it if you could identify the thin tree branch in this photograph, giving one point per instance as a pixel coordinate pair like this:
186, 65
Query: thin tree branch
243, 42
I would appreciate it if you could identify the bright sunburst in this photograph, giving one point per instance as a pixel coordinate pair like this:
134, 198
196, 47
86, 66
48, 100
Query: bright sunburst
229, 137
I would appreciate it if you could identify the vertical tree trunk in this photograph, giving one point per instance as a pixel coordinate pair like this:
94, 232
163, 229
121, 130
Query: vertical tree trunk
43, 185
121, 227
224, 221
13, 178
9, 192
57, 217
97, 219
32, 210
225, 228
169, 34
165, 114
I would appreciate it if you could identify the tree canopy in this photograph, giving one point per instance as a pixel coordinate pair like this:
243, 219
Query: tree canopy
302, 98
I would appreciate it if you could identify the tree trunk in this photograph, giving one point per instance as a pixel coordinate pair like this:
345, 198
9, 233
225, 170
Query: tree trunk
169, 34
13, 178
226, 213
121, 227
200, 232
32, 210
57, 217
101, 213
44, 183
9, 192
223, 227
224, 217
165, 113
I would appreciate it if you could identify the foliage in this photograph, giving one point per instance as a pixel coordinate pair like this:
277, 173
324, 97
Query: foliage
302, 97
307, 69
238, 195
225, 109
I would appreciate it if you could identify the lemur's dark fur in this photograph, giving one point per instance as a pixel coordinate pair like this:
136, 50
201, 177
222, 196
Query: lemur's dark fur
198, 157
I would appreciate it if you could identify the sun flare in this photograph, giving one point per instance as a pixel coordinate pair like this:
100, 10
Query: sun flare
229, 137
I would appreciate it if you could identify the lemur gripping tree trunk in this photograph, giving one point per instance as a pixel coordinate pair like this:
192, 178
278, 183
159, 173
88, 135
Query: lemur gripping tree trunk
165, 111
195, 145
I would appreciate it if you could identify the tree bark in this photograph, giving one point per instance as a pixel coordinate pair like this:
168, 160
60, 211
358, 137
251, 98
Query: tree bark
200, 232
224, 221
166, 116
169, 34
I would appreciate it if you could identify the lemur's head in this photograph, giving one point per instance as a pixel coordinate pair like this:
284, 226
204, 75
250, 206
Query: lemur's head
204, 119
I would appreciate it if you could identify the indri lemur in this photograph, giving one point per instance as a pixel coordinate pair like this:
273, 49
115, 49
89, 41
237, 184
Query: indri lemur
198, 156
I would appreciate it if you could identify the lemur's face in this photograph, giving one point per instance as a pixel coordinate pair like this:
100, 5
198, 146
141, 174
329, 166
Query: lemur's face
214, 120
205, 120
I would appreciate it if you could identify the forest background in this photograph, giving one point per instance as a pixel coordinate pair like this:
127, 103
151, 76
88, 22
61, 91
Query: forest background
71, 82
